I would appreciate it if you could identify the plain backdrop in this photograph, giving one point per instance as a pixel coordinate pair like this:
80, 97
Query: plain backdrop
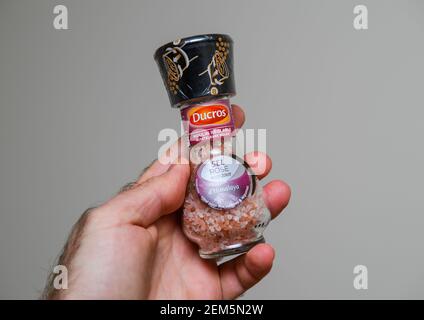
81, 109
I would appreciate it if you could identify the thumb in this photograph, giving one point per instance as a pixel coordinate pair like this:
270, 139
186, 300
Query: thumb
152, 199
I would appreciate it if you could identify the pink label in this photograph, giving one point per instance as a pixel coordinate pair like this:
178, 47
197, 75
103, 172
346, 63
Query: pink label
222, 182
207, 121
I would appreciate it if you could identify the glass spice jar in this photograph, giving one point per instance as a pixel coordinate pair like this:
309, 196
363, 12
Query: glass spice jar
224, 212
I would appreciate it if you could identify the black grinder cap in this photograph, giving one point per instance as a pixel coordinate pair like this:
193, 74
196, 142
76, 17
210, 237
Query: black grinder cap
197, 67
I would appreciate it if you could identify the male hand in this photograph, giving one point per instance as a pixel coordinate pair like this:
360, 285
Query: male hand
133, 247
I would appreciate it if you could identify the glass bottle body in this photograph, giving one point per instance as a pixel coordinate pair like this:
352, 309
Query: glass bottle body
224, 211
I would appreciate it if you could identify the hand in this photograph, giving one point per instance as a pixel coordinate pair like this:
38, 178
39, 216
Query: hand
132, 247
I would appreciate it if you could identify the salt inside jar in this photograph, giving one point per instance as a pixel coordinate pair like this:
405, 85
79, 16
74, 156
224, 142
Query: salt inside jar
224, 212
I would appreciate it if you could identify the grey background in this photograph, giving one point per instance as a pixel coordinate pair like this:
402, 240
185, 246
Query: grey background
80, 111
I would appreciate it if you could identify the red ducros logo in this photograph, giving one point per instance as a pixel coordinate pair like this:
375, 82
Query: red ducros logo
207, 115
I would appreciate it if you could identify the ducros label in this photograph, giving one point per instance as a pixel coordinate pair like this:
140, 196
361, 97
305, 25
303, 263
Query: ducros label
208, 121
207, 115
